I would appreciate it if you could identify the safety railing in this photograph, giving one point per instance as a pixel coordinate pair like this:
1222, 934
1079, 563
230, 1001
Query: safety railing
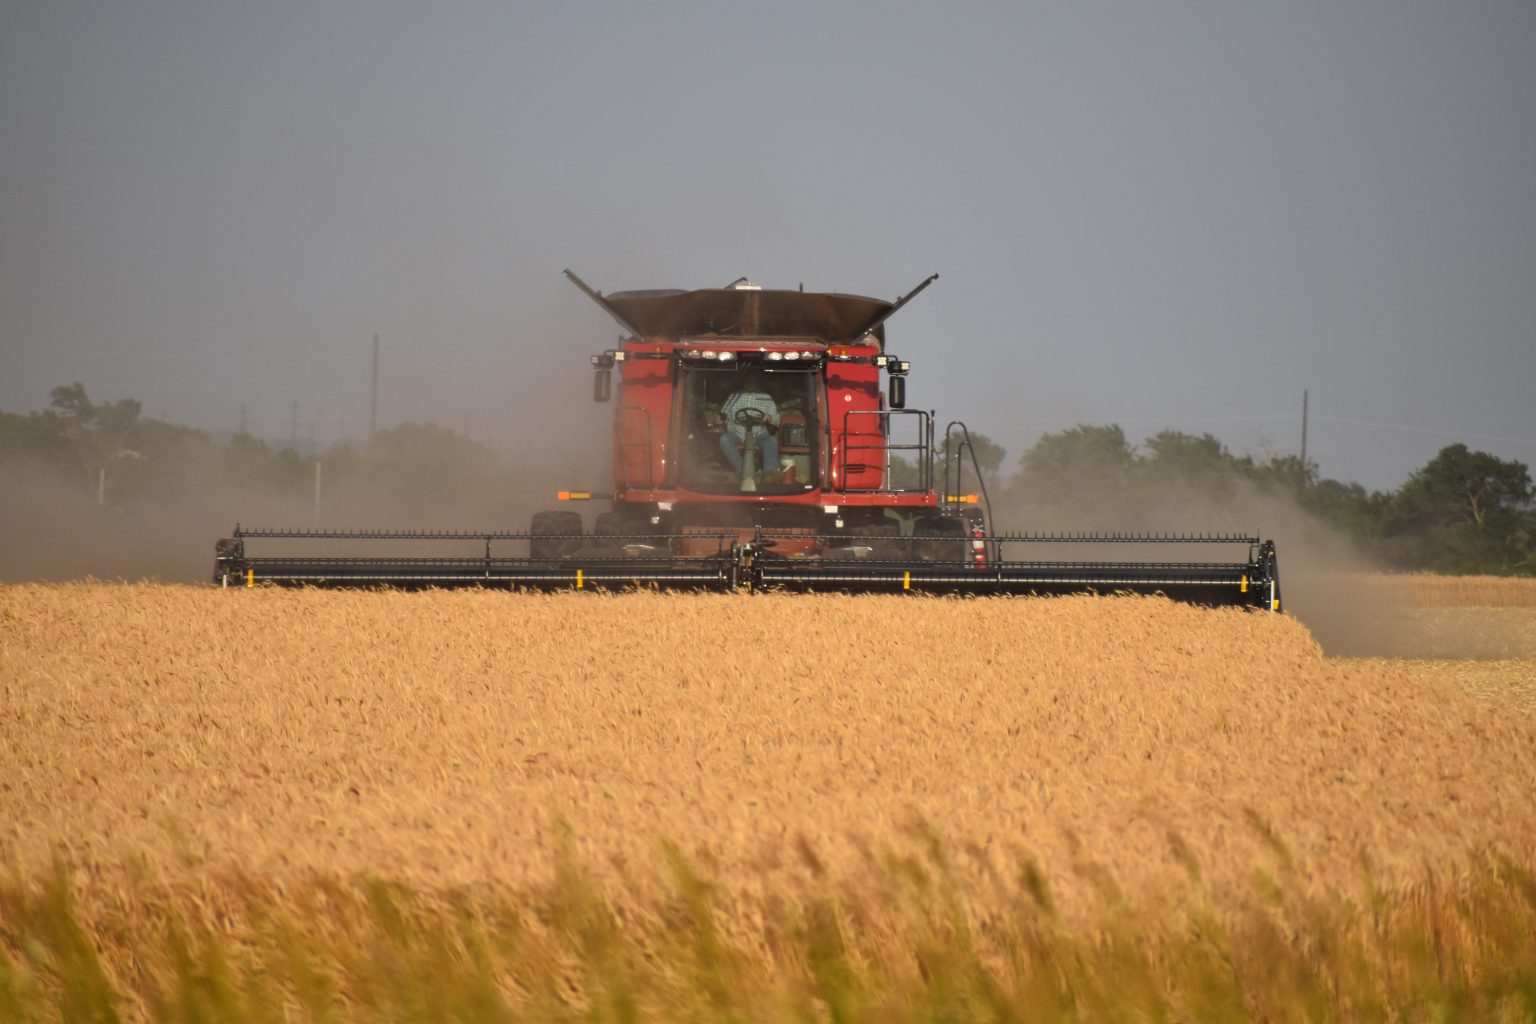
880, 441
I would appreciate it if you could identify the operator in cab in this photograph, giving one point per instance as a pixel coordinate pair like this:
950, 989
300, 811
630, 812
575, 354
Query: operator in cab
750, 409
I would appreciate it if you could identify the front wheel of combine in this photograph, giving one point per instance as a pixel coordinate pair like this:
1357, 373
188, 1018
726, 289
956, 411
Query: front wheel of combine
929, 547
556, 534
611, 524
870, 541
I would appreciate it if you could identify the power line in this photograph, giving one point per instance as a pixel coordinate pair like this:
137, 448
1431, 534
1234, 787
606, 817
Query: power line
1429, 430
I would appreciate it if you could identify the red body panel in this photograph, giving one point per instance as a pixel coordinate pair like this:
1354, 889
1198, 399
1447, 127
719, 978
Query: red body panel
857, 459
643, 418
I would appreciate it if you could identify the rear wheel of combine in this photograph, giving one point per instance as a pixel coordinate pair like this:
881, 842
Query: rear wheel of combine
566, 526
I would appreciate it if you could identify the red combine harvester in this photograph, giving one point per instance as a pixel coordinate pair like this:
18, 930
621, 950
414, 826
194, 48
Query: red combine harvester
754, 447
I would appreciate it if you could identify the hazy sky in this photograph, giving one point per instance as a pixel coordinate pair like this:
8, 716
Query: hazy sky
1155, 214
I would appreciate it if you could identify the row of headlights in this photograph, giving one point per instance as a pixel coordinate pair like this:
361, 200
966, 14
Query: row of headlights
725, 357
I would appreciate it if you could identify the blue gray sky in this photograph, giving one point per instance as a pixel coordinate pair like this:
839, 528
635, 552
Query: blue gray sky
1175, 214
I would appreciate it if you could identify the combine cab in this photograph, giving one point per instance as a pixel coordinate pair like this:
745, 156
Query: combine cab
754, 446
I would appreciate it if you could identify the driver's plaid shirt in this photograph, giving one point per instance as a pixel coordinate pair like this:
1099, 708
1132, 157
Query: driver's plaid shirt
747, 400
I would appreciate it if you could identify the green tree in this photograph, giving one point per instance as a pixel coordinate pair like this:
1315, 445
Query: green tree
1285, 474
118, 418
1079, 466
39, 438
989, 456
1462, 486
1464, 511
72, 401
1083, 475
1349, 508
1174, 456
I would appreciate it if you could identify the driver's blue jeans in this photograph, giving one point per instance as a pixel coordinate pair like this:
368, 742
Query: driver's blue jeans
767, 446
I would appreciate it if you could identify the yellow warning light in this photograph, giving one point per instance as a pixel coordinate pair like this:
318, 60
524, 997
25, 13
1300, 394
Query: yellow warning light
962, 499
573, 495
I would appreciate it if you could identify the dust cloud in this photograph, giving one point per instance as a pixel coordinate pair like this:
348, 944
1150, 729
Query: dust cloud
53, 529
162, 510
1327, 582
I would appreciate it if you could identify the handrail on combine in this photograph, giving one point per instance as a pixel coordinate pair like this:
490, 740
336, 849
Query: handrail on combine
884, 445
951, 491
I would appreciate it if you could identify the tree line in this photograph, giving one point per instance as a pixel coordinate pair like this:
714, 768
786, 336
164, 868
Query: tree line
111, 456
1463, 511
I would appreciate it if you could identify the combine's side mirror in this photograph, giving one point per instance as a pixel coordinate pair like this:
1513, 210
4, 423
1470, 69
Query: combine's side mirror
602, 386
898, 392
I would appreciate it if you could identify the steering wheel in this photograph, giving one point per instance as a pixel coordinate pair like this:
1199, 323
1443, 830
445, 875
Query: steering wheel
751, 417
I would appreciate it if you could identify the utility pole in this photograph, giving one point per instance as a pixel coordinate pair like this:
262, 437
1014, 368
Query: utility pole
293, 426
317, 492
242, 419
373, 405
1303, 430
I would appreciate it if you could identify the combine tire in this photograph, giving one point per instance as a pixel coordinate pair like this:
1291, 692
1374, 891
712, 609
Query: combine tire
610, 524
935, 550
876, 541
603, 546
565, 528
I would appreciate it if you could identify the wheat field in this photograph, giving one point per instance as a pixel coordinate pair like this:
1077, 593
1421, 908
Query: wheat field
1429, 590
226, 753
1419, 617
